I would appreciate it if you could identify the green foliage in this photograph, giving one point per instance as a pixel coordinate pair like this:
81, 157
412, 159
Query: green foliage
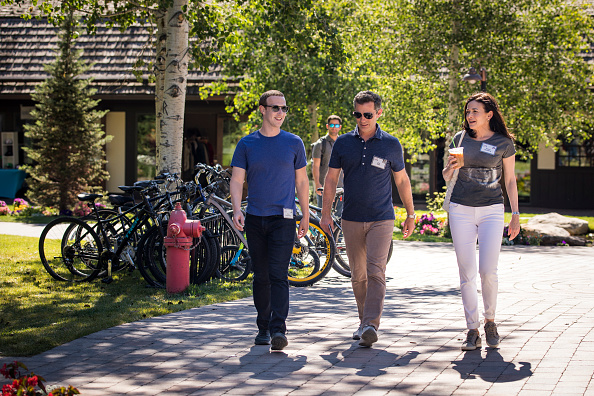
435, 201
68, 143
294, 46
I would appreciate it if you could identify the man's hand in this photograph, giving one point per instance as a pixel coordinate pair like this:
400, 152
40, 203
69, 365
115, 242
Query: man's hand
238, 220
409, 227
303, 227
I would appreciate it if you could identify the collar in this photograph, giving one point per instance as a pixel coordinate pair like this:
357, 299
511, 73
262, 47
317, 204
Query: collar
378, 132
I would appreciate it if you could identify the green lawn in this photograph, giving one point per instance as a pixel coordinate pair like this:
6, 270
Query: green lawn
39, 313
433, 238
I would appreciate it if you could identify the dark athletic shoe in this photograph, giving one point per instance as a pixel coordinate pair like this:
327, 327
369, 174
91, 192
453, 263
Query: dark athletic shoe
473, 340
263, 338
368, 337
491, 334
279, 342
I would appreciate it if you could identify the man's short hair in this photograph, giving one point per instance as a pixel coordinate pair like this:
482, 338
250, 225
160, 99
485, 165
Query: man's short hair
366, 97
267, 94
333, 117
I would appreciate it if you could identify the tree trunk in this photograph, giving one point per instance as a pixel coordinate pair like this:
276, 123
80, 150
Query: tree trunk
174, 93
313, 121
160, 77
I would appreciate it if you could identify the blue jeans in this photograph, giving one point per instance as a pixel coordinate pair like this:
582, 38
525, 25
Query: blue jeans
270, 240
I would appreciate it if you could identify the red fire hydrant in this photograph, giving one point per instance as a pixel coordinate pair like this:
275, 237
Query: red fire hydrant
180, 233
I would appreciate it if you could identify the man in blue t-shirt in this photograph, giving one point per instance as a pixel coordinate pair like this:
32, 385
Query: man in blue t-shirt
274, 162
368, 157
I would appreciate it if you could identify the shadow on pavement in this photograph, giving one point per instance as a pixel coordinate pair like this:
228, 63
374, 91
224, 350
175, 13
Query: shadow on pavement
492, 368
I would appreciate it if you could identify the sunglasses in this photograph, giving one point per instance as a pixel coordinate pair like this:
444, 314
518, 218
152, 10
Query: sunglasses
358, 115
276, 108
334, 125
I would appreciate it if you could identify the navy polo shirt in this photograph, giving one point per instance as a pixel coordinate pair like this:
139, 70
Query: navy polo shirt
367, 166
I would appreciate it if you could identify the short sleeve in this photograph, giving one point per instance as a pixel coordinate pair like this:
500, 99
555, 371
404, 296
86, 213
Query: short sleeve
317, 150
510, 149
239, 156
300, 158
335, 156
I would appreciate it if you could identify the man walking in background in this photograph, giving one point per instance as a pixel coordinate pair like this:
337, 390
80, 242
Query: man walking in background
321, 151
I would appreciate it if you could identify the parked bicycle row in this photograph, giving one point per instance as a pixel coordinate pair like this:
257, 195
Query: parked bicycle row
130, 236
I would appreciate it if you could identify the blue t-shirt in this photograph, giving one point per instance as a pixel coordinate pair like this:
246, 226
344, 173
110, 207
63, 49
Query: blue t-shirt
270, 164
367, 167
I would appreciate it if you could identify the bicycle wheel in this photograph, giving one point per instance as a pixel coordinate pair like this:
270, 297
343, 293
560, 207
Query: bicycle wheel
204, 259
70, 250
235, 264
304, 267
143, 260
341, 262
323, 245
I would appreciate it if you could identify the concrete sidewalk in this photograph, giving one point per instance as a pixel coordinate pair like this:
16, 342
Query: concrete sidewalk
545, 316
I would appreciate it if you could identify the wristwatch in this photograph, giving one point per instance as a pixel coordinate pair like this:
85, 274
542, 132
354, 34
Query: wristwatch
412, 216
518, 213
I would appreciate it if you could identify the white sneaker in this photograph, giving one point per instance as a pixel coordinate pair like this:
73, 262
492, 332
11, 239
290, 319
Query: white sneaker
368, 337
357, 334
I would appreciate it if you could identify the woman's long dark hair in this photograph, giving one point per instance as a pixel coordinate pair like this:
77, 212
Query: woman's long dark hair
496, 123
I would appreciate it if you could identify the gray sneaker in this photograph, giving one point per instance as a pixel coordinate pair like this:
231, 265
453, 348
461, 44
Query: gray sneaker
357, 334
368, 336
473, 340
279, 342
491, 335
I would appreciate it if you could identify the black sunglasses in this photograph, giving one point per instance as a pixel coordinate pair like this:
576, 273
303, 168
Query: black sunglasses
358, 115
276, 108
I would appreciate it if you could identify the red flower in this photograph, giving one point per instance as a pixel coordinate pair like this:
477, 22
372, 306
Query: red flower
32, 381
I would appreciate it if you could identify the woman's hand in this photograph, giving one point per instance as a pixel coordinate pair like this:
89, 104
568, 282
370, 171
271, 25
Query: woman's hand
514, 227
452, 163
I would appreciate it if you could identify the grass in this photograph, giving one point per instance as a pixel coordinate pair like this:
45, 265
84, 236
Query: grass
27, 219
524, 217
39, 313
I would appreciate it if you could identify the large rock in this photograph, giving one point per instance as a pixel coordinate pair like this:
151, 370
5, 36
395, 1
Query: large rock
545, 229
568, 240
553, 223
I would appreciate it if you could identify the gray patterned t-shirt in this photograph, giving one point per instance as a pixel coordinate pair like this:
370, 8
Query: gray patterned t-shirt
478, 180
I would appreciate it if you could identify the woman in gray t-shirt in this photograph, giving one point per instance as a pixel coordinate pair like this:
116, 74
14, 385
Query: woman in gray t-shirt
476, 209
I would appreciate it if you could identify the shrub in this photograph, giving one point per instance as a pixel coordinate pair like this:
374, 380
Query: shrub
522, 239
27, 384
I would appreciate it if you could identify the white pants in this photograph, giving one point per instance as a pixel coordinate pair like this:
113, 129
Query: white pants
467, 223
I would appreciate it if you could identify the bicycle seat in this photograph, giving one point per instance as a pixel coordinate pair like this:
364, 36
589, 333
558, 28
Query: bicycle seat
130, 189
120, 200
88, 197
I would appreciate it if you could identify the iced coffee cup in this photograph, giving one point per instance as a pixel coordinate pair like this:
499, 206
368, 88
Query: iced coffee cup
458, 153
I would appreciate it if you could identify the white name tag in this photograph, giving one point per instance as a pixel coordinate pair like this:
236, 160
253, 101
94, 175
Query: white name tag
379, 162
487, 148
287, 213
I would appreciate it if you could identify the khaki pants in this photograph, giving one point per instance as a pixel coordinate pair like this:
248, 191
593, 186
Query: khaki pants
367, 246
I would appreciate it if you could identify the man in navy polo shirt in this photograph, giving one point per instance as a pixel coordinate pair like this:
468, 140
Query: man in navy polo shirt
274, 162
368, 156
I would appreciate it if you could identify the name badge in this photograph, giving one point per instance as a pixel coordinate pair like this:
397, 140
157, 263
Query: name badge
379, 162
287, 213
487, 148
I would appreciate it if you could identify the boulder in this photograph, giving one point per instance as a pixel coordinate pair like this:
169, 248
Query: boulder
544, 229
569, 240
571, 225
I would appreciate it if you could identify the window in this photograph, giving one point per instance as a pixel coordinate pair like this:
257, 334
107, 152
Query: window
576, 153
419, 178
232, 133
146, 160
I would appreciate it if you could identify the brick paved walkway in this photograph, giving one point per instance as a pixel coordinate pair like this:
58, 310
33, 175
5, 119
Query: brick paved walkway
545, 316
